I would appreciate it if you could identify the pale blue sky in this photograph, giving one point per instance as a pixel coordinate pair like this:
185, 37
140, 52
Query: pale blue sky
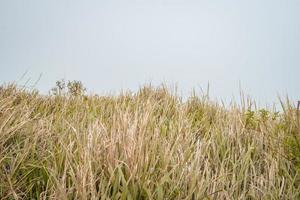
111, 45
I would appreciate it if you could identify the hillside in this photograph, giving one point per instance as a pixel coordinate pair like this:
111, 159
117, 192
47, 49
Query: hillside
144, 145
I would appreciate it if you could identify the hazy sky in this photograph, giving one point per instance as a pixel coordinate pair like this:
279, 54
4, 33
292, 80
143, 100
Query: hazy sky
111, 45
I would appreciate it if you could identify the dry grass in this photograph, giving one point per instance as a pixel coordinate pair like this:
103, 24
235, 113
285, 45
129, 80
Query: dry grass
144, 145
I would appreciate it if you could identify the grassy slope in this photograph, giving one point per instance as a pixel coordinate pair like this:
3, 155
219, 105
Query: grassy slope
148, 145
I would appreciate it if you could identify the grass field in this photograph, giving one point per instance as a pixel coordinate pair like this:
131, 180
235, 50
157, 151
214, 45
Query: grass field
144, 145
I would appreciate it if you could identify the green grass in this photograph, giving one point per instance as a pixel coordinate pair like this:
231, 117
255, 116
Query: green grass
144, 145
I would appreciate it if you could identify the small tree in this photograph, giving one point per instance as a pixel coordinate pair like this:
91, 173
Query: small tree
73, 88
60, 88
76, 88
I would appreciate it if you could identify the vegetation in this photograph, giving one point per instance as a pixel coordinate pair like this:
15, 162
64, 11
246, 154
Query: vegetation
144, 145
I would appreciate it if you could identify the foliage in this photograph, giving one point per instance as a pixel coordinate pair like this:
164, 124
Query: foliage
74, 88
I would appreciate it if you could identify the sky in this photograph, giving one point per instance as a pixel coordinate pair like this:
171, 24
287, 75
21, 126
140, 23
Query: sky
112, 45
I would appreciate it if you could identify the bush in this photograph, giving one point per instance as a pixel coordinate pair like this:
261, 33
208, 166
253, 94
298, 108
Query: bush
73, 88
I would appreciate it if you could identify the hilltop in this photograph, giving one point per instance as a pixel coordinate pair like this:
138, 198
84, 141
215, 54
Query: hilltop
144, 145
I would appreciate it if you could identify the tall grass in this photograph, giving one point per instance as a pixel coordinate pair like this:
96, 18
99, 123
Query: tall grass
144, 145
